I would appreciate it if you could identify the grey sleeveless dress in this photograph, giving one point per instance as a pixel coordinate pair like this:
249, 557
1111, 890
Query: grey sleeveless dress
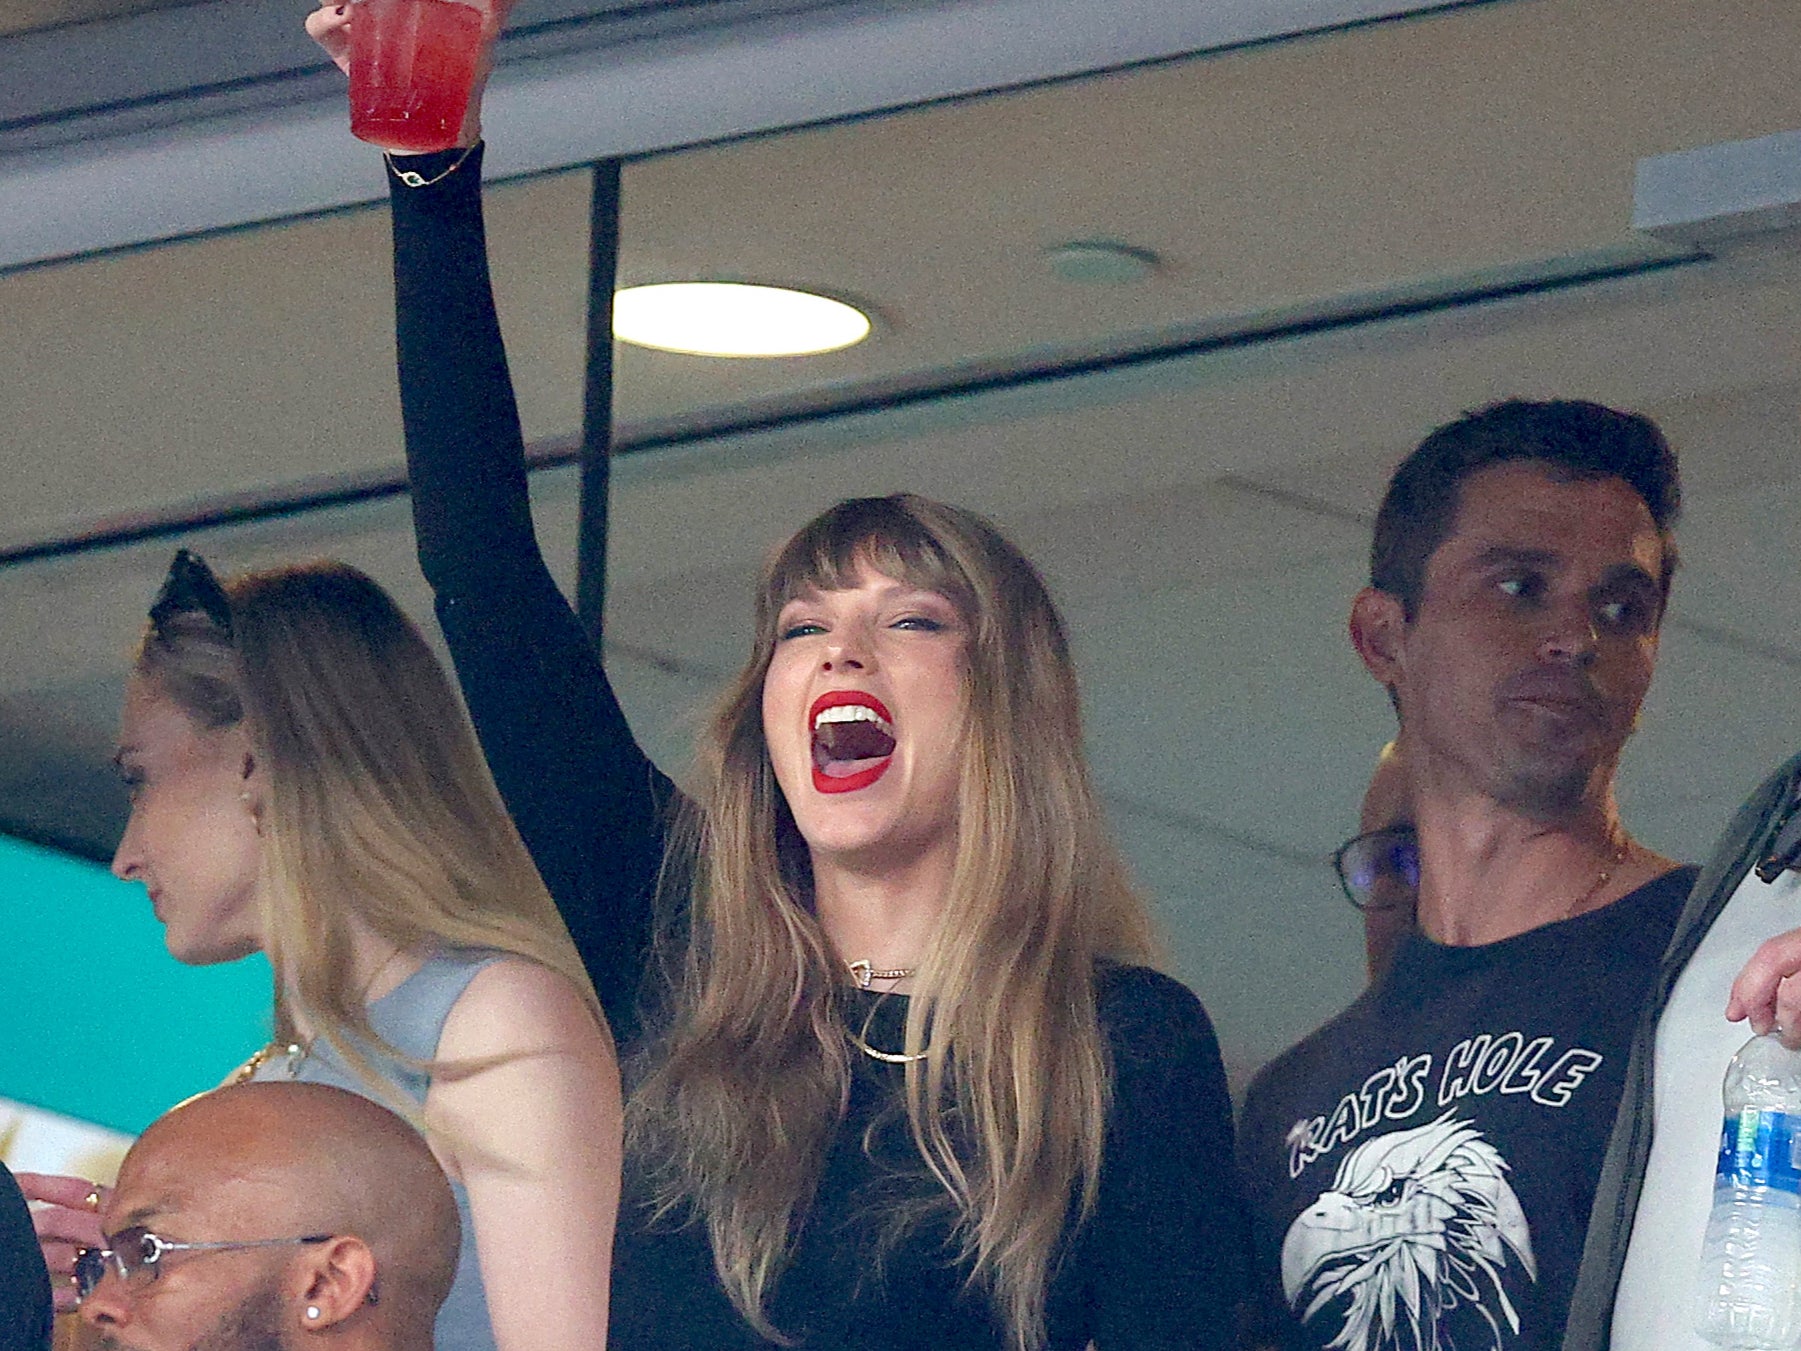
410, 1017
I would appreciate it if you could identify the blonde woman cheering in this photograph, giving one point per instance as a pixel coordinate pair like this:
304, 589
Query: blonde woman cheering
909, 1086
303, 783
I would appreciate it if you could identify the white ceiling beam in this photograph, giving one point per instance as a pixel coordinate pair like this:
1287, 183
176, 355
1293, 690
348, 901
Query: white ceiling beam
1713, 194
171, 65
549, 111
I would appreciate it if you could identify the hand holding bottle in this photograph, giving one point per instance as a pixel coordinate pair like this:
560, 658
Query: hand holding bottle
1747, 1296
1768, 990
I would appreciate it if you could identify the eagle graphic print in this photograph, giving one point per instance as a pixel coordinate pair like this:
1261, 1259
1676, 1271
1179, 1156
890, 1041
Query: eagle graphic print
1420, 1170
1416, 1226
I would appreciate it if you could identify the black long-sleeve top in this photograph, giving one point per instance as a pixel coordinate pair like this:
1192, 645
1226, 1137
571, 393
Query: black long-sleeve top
25, 1309
1158, 1263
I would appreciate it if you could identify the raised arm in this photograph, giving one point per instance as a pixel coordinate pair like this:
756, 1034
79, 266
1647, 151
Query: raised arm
589, 804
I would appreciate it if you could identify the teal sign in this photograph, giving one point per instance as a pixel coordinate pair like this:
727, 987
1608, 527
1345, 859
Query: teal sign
97, 1020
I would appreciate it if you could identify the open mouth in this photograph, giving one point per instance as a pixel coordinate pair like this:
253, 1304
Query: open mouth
853, 741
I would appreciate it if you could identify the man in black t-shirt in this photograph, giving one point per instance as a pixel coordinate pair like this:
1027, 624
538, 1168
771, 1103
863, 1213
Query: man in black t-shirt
1420, 1170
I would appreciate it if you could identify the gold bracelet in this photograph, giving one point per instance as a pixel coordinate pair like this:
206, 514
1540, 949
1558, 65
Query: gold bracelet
417, 180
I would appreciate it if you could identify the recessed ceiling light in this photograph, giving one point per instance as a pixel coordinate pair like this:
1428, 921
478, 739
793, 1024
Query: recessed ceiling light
735, 319
1103, 262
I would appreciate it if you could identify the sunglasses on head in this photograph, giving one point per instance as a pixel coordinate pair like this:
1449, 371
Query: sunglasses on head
191, 588
1388, 856
136, 1255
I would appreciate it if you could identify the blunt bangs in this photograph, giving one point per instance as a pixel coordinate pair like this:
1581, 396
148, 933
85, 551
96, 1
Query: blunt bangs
882, 534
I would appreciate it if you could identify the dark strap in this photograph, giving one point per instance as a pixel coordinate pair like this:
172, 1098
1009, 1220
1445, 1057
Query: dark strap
1785, 850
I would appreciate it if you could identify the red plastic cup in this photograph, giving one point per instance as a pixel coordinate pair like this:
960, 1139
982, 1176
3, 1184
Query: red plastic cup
412, 67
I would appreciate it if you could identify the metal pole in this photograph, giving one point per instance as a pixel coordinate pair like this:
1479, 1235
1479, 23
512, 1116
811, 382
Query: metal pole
597, 401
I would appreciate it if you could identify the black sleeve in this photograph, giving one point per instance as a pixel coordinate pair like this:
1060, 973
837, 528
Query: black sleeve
589, 804
25, 1309
1163, 1254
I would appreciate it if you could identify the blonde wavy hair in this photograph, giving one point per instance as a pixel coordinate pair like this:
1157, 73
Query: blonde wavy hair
740, 1099
378, 803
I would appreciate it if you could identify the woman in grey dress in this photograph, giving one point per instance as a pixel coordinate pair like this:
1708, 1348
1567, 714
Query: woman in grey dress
303, 783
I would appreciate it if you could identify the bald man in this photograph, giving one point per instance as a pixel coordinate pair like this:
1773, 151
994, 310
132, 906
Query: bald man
1388, 911
269, 1216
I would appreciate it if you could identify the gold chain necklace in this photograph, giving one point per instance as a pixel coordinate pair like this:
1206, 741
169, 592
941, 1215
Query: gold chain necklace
863, 972
1608, 867
297, 1051
1580, 904
861, 1041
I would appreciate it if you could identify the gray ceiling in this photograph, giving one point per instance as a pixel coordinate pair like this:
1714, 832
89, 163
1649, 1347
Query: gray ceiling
1199, 498
23, 16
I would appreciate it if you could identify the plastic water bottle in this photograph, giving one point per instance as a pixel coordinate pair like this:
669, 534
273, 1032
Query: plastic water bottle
1749, 1295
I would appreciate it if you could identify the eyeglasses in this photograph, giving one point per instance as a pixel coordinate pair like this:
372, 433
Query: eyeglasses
1370, 866
136, 1254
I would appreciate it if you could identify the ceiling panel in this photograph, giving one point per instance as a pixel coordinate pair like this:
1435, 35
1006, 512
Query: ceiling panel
1718, 720
22, 16
1271, 944
1293, 174
177, 132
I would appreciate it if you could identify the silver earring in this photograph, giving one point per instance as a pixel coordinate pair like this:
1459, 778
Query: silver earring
312, 1311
